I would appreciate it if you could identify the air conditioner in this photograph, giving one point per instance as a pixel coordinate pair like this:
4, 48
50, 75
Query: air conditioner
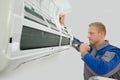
28, 32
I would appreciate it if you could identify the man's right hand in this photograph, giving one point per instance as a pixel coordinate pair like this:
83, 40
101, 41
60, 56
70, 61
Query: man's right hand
84, 47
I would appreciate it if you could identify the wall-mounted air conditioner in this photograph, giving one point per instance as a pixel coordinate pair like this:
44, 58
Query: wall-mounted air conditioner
27, 32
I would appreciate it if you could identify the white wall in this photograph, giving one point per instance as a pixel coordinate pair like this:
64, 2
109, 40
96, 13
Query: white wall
65, 65
87, 11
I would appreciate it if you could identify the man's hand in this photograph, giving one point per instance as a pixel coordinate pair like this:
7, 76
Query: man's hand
84, 47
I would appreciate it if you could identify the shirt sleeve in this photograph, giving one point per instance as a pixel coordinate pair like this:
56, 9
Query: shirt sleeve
101, 65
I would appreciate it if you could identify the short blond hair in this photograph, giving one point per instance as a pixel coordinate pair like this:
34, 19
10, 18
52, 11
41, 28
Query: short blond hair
100, 26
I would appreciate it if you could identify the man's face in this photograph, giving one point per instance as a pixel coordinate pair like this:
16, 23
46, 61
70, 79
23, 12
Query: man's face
93, 35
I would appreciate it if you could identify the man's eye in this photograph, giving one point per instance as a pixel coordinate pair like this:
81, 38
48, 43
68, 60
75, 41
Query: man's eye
90, 33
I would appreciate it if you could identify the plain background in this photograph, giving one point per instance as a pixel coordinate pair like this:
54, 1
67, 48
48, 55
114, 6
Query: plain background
86, 11
67, 65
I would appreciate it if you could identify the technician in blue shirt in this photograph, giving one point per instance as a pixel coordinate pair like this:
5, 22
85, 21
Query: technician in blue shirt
100, 58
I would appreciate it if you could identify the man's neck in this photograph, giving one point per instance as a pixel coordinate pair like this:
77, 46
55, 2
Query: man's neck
99, 43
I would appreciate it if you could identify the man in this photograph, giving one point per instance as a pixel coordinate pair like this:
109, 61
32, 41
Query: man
100, 57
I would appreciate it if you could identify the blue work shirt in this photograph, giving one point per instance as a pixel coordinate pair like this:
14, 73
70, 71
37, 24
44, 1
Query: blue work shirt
103, 60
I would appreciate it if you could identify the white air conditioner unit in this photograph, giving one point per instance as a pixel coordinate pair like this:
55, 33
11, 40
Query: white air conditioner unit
27, 33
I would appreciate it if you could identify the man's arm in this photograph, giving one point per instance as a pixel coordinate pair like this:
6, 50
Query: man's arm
100, 66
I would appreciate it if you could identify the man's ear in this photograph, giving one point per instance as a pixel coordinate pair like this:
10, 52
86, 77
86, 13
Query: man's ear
102, 34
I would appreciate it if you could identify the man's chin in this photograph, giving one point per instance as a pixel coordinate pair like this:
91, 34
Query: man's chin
91, 43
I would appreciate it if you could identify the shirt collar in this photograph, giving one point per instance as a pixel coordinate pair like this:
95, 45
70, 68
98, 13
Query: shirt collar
102, 45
